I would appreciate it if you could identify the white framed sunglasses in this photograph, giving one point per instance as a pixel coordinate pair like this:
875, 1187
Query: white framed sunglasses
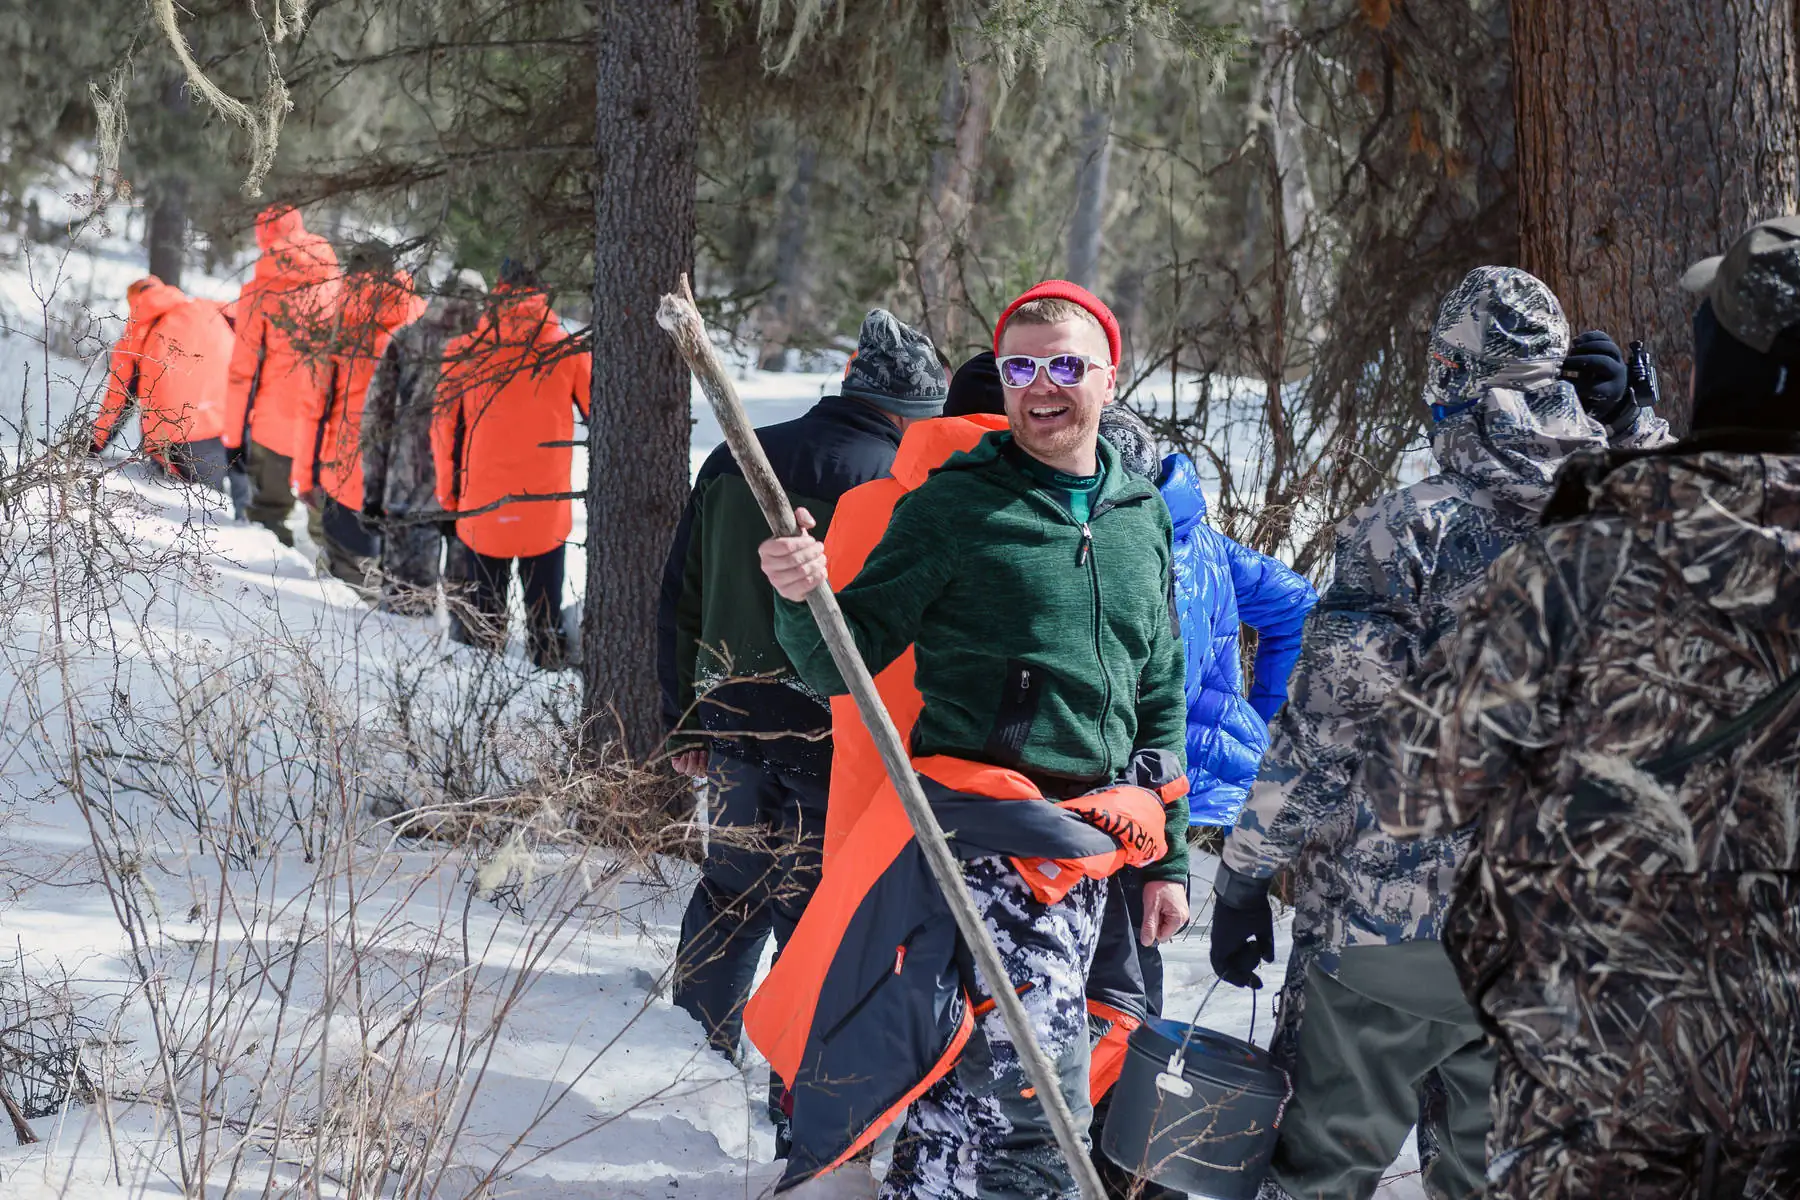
1064, 370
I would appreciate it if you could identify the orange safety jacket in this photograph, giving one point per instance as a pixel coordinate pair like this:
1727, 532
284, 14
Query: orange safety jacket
869, 987
861, 517
284, 323
505, 416
171, 361
329, 453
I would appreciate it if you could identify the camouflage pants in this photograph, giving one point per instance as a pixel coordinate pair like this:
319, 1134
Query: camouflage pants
978, 1133
410, 554
1530, 1158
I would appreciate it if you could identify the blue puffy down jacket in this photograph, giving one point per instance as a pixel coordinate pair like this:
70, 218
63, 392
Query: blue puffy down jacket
1218, 585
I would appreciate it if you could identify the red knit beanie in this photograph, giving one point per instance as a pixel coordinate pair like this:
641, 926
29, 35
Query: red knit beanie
1062, 289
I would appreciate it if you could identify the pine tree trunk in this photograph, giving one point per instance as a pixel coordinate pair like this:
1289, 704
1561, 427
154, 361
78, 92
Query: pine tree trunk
964, 120
167, 235
1651, 133
1089, 221
784, 312
646, 128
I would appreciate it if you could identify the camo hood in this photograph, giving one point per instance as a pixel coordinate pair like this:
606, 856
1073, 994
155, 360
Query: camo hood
1503, 419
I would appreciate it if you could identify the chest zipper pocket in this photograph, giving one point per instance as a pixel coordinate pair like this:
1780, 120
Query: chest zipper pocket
1016, 713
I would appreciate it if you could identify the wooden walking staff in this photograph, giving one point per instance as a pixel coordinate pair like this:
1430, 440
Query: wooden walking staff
679, 316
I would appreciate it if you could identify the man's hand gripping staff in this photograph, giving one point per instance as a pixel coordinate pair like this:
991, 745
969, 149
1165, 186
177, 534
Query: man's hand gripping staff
795, 564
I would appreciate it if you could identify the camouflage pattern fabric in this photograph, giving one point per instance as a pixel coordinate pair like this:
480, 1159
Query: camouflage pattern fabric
1631, 939
1404, 564
978, 1134
1550, 1166
396, 424
397, 464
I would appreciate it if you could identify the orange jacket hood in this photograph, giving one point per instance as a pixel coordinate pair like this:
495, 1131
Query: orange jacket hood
151, 298
276, 223
928, 445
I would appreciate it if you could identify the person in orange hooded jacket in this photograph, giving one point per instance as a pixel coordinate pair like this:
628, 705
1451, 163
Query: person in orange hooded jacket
171, 361
506, 402
327, 471
859, 780
284, 325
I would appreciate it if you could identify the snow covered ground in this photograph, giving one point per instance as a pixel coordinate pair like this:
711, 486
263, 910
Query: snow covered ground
344, 1012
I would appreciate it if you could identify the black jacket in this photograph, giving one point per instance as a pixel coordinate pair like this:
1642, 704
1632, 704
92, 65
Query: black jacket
721, 669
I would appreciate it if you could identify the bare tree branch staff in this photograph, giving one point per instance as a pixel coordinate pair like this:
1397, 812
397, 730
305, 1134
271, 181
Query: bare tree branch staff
1031, 575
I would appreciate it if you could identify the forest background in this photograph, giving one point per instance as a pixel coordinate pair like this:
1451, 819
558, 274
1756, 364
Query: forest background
1272, 194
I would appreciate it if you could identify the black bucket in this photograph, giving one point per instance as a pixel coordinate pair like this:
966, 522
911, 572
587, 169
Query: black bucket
1195, 1110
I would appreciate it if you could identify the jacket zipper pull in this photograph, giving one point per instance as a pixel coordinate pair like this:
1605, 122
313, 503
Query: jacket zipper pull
1087, 545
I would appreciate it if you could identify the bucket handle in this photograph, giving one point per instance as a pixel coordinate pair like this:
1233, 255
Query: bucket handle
1178, 1060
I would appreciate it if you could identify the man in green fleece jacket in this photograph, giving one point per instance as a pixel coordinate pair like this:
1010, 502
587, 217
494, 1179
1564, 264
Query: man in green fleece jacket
1032, 576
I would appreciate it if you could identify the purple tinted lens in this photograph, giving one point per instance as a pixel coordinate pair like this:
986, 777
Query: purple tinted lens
1066, 370
1017, 371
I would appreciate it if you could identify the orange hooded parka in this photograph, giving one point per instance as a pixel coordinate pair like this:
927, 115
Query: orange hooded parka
172, 361
285, 319
329, 451
507, 395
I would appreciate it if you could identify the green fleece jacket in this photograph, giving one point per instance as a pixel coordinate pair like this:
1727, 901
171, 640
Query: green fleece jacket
1042, 642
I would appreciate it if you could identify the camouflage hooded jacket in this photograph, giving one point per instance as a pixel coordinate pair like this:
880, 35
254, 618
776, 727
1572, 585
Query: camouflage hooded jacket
1404, 565
1629, 928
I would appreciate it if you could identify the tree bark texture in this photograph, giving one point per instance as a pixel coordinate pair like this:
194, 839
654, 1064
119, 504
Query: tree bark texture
965, 118
1089, 221
785, 311
166, 237
1651, 133
646, 128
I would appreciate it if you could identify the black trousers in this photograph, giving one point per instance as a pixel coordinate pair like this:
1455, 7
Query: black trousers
761, 868
410, 554
478, 602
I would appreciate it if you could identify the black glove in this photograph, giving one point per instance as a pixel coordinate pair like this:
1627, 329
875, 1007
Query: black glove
372, 511
448, 529
94, 448
1243, 928
1596, 366
237, 460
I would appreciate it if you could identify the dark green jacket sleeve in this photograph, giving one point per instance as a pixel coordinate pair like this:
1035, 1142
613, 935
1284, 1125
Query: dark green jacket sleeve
1162, 725
886, 602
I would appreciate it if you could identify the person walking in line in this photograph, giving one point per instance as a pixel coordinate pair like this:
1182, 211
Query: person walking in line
501, 435
327, 471
284, 322
1617, 729
171, 362
1372, 1009
399, 477
1219, 587
738, 712
1032, 577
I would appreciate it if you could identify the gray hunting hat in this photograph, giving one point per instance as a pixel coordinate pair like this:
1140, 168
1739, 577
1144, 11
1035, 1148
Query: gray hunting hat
1754, 286
896, 368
